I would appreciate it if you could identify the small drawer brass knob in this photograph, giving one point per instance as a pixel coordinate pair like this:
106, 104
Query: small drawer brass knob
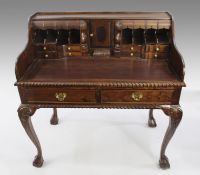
45, 48
69, 48
91, 34
61, 96
157, 49
46, 56
132, 48
131, 54
69, 53
137, 96
156, 55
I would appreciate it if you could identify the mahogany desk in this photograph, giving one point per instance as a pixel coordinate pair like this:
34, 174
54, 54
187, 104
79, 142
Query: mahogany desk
100, 60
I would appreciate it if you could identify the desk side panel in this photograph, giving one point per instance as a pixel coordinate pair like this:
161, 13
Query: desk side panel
176, 61
26, 58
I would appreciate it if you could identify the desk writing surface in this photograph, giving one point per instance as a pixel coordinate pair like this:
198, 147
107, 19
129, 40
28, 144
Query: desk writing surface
100, 69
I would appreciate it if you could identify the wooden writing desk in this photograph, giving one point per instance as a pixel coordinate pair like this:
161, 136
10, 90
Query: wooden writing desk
100, 60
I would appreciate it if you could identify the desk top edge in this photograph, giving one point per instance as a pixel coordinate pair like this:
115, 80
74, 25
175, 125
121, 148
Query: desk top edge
102, 15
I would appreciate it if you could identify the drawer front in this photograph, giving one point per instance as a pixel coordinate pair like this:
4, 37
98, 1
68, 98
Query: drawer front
46, 47
59, 95
47, 54
131, 54
156, 55
133, 48
71, 48
138, 96
157, 48
72, 54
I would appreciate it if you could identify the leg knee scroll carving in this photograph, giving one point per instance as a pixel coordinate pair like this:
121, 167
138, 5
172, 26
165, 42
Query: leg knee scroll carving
175, 115
151, 121
54, 118
25, 112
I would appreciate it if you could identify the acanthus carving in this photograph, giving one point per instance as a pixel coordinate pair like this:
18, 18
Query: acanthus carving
26, 111
172, 110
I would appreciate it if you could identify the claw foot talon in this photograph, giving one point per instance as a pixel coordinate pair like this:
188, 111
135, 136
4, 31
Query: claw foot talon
152, 123
38, 161
54, 118
54, 121
164, 162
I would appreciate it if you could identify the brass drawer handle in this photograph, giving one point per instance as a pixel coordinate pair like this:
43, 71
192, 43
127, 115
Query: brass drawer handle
61, 96
137, 96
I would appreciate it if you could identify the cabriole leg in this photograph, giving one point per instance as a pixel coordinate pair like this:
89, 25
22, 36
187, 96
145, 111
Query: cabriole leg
151, 121
175, 115
25, 112
54, 118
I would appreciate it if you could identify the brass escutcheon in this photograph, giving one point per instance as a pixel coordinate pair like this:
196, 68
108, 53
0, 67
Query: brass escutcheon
137, 96
61, 96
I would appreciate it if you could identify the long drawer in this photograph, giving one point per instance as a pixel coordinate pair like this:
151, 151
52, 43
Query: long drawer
59, 95
51, 95
169, 96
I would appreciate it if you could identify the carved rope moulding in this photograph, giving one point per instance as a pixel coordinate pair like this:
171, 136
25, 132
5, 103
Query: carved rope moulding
113, 84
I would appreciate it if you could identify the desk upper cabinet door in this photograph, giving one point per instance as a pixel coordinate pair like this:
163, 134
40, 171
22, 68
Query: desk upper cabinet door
100, 33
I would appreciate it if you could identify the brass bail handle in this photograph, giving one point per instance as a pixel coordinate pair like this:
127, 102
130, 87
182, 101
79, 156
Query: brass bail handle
61, 96
137, 96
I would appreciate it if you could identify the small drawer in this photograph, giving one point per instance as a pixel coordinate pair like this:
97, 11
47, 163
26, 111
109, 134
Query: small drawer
133, 48
131, 54
59, 95
71, 48
156, 55
157, 48
47, 55
137, 96
72, 54
46, 47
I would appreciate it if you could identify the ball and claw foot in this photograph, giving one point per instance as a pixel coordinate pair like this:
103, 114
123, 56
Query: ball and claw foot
54, 118
151, 121
164, 162
38, 161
